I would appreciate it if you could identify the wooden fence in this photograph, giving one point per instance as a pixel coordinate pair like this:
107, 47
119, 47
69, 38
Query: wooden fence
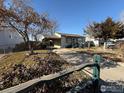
24, 87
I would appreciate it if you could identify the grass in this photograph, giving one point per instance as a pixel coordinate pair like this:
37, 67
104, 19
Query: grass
11, 59
113, 55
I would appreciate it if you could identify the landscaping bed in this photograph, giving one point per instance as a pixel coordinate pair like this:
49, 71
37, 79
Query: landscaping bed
63, 84
17, 68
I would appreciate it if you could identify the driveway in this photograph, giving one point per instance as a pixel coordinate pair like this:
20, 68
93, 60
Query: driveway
109, 70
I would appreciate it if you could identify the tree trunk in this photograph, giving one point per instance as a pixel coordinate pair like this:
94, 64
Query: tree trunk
29, 43
89, 44
29, 46
35, 37
24, 40
25, 43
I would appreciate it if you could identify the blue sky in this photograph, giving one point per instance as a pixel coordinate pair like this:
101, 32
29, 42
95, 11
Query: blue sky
72, 16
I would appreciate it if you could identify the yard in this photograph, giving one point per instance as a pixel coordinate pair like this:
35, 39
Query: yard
110, 54
111, 65
11, 59
16, 68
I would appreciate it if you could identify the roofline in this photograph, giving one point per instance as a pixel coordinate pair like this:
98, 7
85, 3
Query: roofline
69, 35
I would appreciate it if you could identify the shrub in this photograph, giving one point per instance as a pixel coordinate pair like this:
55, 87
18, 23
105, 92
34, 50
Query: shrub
69, 46
1, 51
35, 45
20, 47
91, 44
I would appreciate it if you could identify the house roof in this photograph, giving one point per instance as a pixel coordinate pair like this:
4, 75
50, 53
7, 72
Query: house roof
70, 35
62, 34
52, 37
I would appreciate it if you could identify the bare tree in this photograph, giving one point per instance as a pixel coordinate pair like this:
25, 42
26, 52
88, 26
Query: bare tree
21, 17
39, 30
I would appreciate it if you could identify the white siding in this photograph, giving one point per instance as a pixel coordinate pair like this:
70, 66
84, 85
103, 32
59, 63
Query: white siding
8, 39
90, 38
63, 42
57, 34
40, 37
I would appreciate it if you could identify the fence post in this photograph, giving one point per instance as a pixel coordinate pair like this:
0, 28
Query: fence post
4, 51
96, 73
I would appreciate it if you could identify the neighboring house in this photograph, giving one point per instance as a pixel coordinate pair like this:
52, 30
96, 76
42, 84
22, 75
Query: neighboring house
39, 37
62, 40
9, 38
96, 41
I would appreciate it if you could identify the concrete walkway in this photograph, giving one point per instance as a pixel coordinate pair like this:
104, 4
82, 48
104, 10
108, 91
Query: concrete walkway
109, 70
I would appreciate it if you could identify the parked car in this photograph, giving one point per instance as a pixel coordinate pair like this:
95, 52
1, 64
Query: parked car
110, 44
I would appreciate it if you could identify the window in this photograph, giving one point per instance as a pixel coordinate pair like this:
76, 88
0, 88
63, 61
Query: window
68, 40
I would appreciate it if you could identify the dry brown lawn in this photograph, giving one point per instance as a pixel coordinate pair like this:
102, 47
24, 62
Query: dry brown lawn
112, 54
9, 60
